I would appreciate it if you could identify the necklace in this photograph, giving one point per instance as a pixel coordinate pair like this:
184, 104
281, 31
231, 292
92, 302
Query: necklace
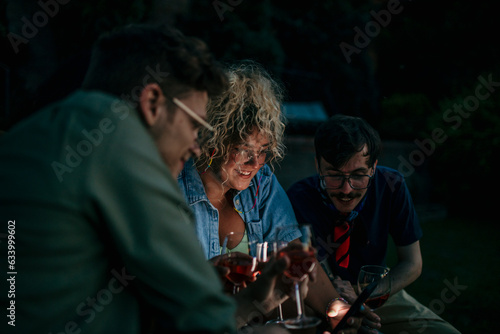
210, 162
256, 194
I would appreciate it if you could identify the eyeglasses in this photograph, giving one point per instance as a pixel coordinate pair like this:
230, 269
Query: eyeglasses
244, 156
357, 182
192, 113
203, 136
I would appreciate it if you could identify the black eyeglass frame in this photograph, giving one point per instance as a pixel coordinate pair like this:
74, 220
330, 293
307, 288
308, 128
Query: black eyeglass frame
344, 177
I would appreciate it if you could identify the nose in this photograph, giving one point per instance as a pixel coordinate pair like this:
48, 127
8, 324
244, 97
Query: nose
195, 149
253, 162
346, 187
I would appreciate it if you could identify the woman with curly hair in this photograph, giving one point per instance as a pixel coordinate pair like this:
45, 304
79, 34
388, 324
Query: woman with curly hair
231, 186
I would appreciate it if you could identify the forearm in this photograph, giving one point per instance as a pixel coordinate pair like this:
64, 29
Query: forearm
408, 268
244, 309
402, 275
250, 306
259, 298
321, 292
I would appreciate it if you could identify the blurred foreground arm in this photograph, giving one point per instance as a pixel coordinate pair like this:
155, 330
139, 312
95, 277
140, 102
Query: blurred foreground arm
262, 296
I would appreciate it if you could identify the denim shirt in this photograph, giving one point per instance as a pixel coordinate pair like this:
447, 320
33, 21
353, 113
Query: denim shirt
272, 209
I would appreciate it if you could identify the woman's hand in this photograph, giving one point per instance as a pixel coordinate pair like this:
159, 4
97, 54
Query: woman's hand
224, 271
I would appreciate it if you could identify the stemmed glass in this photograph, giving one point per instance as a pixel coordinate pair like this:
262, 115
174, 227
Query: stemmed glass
372, 273
302, 262
239, 255
265, 250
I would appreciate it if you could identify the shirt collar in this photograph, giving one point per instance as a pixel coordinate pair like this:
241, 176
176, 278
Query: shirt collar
195, 191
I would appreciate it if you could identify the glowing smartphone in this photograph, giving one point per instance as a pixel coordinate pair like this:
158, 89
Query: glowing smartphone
355, 308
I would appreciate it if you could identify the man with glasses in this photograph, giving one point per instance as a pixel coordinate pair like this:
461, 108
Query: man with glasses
354, 205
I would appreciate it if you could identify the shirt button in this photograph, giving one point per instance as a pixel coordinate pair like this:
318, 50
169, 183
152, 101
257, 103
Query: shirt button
237, 202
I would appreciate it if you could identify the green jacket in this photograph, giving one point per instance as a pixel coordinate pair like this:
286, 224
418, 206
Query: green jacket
103, 236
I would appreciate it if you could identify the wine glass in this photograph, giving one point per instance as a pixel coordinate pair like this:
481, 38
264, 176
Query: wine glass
239, 255
302, 262
265, 250
372, 273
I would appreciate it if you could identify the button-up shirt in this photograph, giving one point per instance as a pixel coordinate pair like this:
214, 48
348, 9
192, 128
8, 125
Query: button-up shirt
272, 209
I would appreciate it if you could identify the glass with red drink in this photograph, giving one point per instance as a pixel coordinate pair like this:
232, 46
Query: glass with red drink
302, 262
238, 254
371, 273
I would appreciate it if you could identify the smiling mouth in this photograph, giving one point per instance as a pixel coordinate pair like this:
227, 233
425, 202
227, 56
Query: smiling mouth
343, 198
243, 173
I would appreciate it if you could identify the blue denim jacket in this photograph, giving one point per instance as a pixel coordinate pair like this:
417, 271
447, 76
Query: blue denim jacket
273, 209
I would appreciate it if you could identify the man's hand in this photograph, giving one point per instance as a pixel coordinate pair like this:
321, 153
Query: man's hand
337, 309
371, 321
262, 296
345, 289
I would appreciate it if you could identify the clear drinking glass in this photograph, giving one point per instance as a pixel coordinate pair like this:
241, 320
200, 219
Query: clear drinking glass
302, 262
372, 273
265, 250
239, 255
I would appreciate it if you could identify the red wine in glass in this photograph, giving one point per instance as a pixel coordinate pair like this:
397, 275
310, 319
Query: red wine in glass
240, 259
380, 274
301, 261
376, 302
241, 268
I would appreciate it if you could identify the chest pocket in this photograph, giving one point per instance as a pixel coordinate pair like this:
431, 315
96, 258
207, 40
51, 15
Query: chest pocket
254, 230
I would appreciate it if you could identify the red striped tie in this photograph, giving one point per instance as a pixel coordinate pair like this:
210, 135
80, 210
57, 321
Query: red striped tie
341, 235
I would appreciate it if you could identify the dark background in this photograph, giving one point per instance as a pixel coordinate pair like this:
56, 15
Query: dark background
408, 70
411, 66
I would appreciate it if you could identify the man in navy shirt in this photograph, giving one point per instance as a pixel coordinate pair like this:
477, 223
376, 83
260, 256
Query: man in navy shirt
353, 206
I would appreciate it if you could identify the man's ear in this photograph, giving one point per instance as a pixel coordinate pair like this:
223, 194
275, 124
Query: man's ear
151, 102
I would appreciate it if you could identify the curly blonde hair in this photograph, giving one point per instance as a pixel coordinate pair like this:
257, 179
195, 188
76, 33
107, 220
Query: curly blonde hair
252, 101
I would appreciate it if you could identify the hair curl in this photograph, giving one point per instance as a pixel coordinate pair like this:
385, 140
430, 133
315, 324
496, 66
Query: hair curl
252, 101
